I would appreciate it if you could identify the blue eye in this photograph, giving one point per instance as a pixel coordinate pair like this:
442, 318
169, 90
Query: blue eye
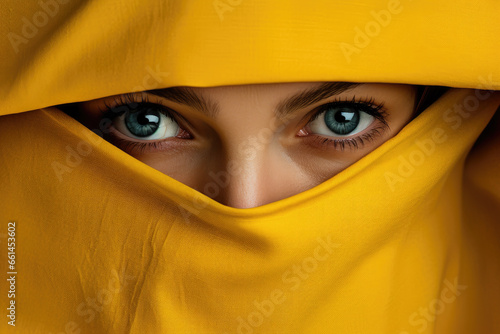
148, 122
341, 120
143, 123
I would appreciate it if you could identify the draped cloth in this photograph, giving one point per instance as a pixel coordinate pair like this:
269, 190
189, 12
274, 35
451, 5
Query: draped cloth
406, 240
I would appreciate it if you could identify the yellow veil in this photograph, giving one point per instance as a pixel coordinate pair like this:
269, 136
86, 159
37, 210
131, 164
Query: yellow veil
404, 241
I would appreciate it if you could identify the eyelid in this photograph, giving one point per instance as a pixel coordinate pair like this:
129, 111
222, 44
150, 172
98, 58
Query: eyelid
355, 142
128, 99
366, 105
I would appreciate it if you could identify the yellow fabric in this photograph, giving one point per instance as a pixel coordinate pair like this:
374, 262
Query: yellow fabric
403, 241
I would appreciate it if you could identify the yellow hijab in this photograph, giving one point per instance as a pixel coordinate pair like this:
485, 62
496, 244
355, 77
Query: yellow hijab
404, 241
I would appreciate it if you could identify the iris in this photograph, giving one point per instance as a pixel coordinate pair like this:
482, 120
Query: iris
143, 123
342, 120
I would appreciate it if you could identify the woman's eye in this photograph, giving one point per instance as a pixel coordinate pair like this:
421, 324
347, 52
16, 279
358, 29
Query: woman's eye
147, 121
340, 120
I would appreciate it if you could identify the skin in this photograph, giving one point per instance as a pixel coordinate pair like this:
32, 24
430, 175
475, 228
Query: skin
254, 155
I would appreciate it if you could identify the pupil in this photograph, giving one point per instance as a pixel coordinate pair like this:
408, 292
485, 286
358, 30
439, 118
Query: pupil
344, 116
144, 119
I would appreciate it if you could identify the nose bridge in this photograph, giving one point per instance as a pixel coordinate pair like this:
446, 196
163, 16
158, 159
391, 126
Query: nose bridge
246, 167
249, 146
248, 170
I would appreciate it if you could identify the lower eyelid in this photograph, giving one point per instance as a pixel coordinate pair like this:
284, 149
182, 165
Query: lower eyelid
135, 147
359, 141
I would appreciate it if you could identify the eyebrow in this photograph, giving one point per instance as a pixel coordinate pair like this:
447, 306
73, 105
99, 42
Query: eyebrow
311, 96
186, 96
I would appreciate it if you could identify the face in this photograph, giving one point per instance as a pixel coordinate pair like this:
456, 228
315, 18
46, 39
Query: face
257, 143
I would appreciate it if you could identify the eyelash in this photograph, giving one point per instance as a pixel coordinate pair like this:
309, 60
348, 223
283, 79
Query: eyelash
368, 106
127, 100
